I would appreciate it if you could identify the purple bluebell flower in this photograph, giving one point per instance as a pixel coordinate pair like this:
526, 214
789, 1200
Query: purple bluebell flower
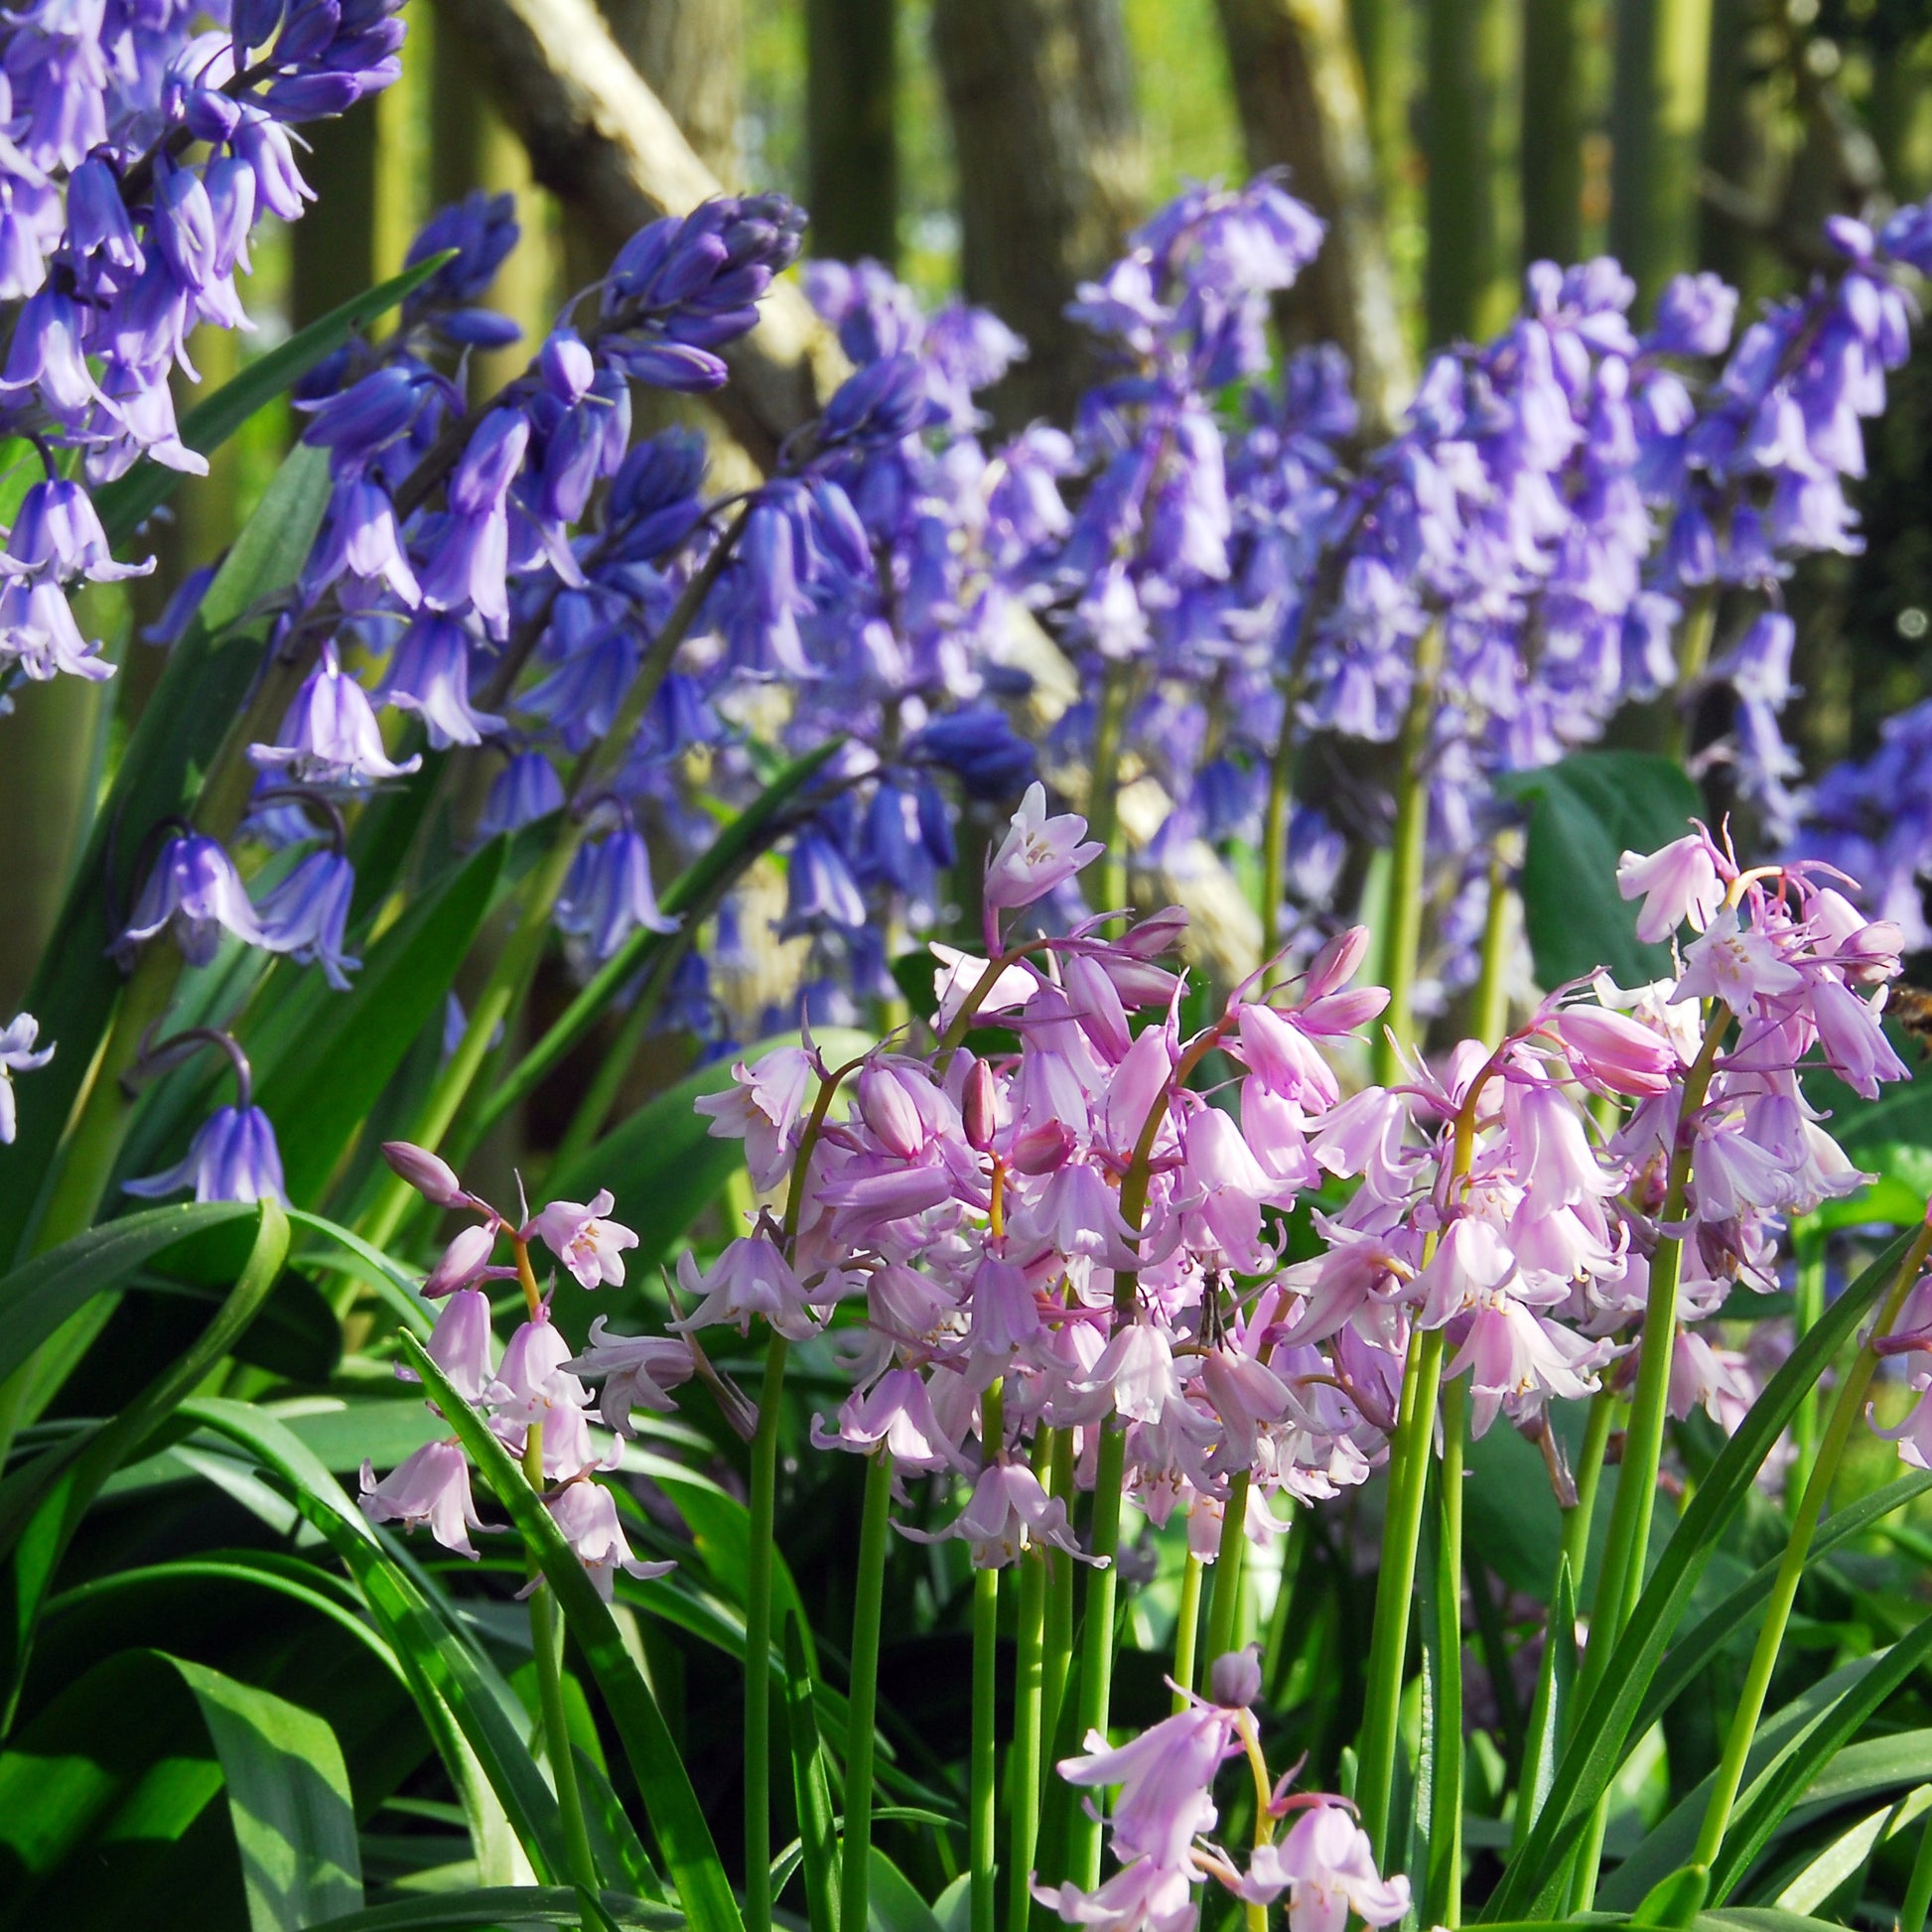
526, 790
331, 736
305, 913
194, 892
233, 1157
20, 1052
608, 894
430, 675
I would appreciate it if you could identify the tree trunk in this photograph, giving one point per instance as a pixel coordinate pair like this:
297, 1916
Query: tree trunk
1299, 87
1740, 159
1554, 35
1040, 96
612, 153
692, 53
1663, 50
1382, 43
851, 76
1469, 138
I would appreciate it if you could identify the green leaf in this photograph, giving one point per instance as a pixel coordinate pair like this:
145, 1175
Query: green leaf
77, 986
1693, 1652
1848, 1854
324, 1057
42, 1293
678, 1820
758, 827
398, 1287
128, 502
811, 1787
100, 1795
42, 1505
1597, 1744
892, 1903
451, 1678
1584, 811
663, 1164
458, 1911
1555, 1680
1674, 1901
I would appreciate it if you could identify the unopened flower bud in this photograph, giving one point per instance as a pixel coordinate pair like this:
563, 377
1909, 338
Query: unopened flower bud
1235, 1680
1338, 962
888, 1110
461, 1262
429, 1173
1042, 1149
979, 1106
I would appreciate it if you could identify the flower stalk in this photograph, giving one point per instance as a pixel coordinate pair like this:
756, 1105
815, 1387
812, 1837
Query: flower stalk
855, 1878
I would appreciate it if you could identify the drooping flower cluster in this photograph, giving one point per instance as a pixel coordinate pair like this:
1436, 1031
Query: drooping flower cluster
530, 1393
136, 157
1164, 1810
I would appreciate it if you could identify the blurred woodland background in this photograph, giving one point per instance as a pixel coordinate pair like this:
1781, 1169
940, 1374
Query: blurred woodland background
1003, 147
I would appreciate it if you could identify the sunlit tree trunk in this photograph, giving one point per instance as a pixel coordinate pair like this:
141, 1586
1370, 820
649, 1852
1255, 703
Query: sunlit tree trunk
1299, 87
850, 74
1470, 126
1552, 147
1382, 41
1663, 51
1050, 170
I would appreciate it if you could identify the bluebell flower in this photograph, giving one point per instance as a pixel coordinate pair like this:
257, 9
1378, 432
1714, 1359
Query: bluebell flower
608, 894
526, 790
429, 674
330, 734
233, 1157
192, 891
305, 913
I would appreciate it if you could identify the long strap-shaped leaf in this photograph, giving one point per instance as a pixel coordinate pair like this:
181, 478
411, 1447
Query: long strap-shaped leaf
684, 1837
1596, 1746
44, 1514
1695, 1648
457, 1911
446, 1671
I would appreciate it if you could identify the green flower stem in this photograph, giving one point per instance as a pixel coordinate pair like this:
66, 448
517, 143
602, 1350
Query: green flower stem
1395, 1584
1103, 785
1492, 1014
1097, 1638
1808, 1247
1589, 1471
1187, 1629
983, 1808
1273, 828
1693, 653
1845, 1411
1022, 1761
1621, 1581
757, 1641
1224, 1605
1058, 1657
1918, 1887
546, 1644
868, 1589
1403, 925
1444, 1903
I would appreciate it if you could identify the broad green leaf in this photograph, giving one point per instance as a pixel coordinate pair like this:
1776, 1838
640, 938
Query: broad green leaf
1848, 1854
323, 1057
663, 1164
811, 1787
1555, 1680
40, 1295
1583, 812
102, 1795
42, 1505
1695, 1649
893, 1902
129, 501
458, 1911
201, 693
451, 1678
1596, 1746
676, 1817
614, 1843
691, 895
398, 1287
1865, 1769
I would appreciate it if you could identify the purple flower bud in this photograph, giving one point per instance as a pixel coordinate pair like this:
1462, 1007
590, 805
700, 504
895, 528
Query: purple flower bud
461, 1262
429, 1173
1234, 1681
106, 257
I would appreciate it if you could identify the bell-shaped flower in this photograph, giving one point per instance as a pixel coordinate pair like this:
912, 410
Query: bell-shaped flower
1555, 1156
608, 894
462, 1345
1008, 1513
194, 890
1077, 1215
1285, 1061
329, 736
305, 915
432, 1487
1038, 854
1471, 1263
1136, 1374
587, 1513
430, 675
1145, 1896
1165, 1777
636, 1372
896, 1410
1736, 963
764, 1107
1513, 1354
18, 1054
534, 1382
959, 976
1678, 882
587, 1244
751, 1278
1328, 1869
1854, 1044
1611, 1052
233, 1157
1717, 1380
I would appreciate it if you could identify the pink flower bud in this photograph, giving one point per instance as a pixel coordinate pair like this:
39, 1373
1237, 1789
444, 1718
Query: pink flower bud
1338, 962
1042, 1149
980, 1108
1612, 1050
429, 1173
888, 1110
461, 1262
1234, 1682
